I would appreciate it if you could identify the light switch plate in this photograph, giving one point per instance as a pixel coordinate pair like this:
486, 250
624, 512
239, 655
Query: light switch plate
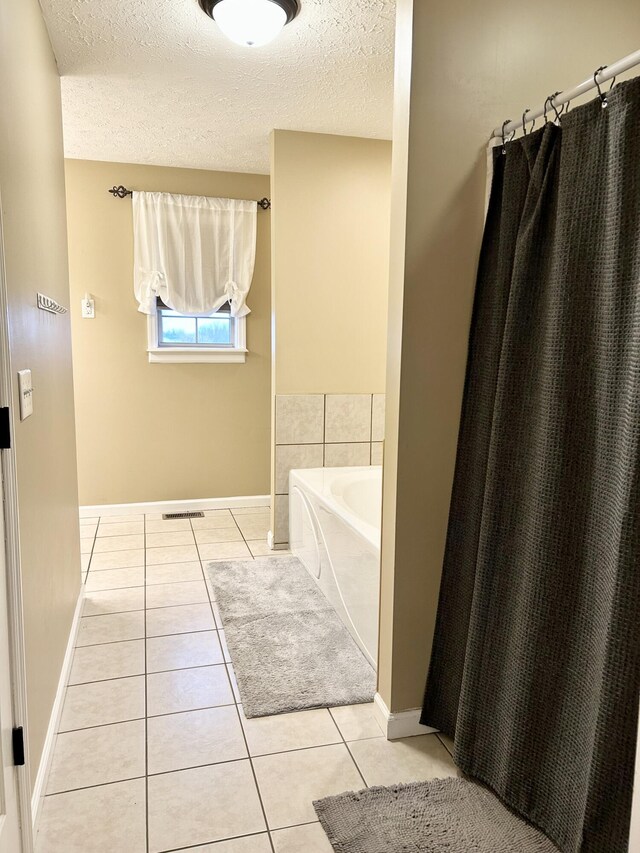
25, 392
88, 308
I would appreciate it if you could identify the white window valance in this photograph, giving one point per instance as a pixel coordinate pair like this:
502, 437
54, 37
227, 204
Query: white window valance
195, 253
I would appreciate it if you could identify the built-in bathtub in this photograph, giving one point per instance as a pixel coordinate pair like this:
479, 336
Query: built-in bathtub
334, 529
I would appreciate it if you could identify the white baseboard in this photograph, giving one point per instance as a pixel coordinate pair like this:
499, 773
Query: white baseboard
173, 506
403, 724
39, 788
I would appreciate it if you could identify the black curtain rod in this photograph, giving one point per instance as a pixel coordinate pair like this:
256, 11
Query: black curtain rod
122, 192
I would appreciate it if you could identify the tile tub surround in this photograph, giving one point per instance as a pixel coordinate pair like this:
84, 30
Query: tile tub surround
323, 431
154, 752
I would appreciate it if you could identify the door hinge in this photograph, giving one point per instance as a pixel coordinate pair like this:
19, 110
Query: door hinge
18, 746
5, 428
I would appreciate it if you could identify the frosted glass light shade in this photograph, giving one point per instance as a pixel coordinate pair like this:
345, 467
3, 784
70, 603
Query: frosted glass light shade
250, 23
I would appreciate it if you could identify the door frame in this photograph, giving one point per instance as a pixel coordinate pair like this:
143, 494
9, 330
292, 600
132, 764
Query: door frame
8, 472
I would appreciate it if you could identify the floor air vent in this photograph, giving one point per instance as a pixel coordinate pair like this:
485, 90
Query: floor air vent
170, 515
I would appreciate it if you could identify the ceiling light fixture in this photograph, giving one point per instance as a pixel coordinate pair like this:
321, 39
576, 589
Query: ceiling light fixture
251, 23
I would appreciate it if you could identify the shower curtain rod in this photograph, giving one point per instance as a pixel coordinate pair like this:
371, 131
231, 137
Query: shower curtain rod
122, 192
607, 73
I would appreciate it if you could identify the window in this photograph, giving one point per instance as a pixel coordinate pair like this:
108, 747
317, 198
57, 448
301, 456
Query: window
175, 337
178, 330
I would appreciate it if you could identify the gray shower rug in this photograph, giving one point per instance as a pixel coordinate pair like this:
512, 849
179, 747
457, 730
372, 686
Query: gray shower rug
288, 647
441, 816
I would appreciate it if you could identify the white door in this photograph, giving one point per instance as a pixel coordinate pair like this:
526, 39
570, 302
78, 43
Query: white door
10, 841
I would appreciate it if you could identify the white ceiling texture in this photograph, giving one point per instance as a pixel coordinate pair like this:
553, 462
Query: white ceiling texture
155, 81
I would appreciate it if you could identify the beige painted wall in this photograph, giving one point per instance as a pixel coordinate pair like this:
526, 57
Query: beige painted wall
33, 211
330, 260
330, 271
150, 432
462, 69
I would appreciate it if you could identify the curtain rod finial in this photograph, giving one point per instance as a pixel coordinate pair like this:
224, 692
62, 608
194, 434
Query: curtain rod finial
120, 191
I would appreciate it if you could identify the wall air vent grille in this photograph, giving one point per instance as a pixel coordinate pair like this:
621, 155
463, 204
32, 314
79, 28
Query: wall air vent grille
170, 515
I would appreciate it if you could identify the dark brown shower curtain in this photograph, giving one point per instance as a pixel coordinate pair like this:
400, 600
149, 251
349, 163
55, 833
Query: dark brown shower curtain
535, 668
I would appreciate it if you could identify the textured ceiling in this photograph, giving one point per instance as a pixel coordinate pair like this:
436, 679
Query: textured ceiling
154, 81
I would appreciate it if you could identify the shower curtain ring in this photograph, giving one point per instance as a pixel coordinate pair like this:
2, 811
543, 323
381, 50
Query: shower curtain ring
524, 127
504, 140
548, 103
602, 95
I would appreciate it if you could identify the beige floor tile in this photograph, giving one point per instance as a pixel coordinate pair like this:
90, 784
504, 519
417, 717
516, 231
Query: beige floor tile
85, 559
290, 781
218, 534
187, 690
173, 537
127, 528
206, 804
259, 548
103, 702
253, 529
86, 546
88, 531
310, 838
118, 559
215, 513
194, 738
172, 594
118, 543
174, 573
105, 819
215, 608
247, 844
207, 580
172, 554
88, 519
182, 651
169, 525
121, 519
115, 578
447, 742
299, 730
225, 647
234, 683
214, 522
357, 722
113, 601
110, 660
224, 551
413, 759
111, 628
97, 756
179, 620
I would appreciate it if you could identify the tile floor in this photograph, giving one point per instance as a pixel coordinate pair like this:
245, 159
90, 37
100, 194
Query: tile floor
153, 752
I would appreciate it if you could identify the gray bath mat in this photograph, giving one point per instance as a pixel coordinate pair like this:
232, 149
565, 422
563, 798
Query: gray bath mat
288, 647
441, 816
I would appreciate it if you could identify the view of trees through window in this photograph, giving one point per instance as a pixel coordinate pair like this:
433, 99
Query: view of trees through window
175, 329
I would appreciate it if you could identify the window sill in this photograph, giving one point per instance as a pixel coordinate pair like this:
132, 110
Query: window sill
188, 355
